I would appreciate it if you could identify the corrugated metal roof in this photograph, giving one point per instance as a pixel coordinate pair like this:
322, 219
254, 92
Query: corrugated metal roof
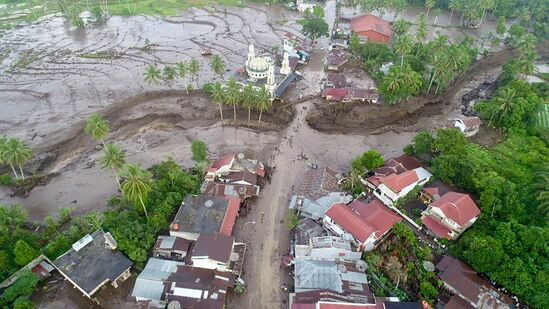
150, 283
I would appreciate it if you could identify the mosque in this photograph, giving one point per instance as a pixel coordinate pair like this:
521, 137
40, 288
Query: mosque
262, 71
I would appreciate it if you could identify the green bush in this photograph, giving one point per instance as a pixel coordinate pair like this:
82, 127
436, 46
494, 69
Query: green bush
6, 179
23, 287
24, 253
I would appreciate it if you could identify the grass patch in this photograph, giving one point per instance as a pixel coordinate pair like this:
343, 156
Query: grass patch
27, 57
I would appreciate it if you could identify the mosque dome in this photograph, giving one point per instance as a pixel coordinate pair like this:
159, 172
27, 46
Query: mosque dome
258, 67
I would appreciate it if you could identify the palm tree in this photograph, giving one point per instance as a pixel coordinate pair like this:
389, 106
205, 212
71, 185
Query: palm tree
454, 5
401, 26
249, 99
3, 141
542, 190
194, 69
12, 216
403, 46
152, 74
183, 71
263, 101
97, 127
218, 65
526, 64
421, 34
16, 153
233, 94
429, 4
113, 159
504, 102
437, 12
169, 73
526, 43
486, 5
217, 94
136, 185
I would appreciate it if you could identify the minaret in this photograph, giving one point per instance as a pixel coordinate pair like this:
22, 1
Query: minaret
271, 85
285, 69
251, 54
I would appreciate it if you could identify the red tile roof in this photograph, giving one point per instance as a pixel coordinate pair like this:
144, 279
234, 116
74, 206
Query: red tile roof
303, 306
230, 217
246, 176
362, 220
224, 160
336, 94
471, 121
371, 23
436, 227
398, 182
459, 207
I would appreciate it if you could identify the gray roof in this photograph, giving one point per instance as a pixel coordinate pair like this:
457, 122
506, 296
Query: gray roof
315, 275
307, 229
281, 88
150, 283
316, 209
201, 214
93, 263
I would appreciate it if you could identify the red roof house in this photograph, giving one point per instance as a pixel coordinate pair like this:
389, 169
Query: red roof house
397, 182
450, 215
372, 28
367, 223
230, 217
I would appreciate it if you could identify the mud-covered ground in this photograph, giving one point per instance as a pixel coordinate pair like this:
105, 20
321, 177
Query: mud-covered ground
49, 87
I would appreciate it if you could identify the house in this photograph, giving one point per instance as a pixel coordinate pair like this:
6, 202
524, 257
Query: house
372, 28
316, 209
164, 281
304, 5
335, 60
341, 44
328, 248
318, 190
234, 163
172, 248
433, 191
463, 281
307, 229
219, 189
450, 215
218, 251
92, 262
334, 80
366, 224
200, 214
340, 304
347, 279
469, 126
395, 165
350, 94
392, 187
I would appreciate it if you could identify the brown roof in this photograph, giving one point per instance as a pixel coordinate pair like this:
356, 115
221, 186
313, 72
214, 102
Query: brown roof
398, 165
317, 183
397, 182
169, 243
362, 220
457, 302
371, 23
216, 246
218, 189
248, 177
459, 207
338, 80
465, 280
436, 189
208, 281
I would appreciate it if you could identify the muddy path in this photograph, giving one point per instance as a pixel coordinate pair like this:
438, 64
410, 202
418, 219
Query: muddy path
425, 112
